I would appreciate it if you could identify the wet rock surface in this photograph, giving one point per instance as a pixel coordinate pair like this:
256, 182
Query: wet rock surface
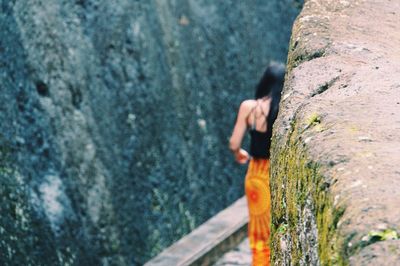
336, 140
114, 120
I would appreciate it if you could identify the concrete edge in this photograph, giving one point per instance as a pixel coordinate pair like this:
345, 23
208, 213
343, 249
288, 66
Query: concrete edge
209, 241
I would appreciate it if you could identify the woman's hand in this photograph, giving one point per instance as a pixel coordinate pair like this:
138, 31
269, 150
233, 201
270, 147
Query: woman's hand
242, 156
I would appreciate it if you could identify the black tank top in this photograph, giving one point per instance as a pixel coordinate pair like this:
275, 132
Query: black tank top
260, 142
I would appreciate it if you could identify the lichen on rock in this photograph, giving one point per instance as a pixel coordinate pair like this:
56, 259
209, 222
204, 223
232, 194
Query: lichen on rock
333, 156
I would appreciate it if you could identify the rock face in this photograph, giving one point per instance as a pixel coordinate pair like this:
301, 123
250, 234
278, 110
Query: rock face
115, 117
336, 144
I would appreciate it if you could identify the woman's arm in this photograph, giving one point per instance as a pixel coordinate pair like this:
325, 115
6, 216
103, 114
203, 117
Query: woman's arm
239, 130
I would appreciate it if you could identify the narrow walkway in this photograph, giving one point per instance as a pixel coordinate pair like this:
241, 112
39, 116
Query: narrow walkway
239, 256
217, 236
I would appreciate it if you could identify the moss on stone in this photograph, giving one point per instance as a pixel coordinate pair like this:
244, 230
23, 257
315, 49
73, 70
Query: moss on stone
294, 179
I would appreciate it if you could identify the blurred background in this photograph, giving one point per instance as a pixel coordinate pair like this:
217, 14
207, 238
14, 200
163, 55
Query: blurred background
115, 117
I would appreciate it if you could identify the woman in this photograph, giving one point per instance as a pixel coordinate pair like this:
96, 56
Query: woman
258, 115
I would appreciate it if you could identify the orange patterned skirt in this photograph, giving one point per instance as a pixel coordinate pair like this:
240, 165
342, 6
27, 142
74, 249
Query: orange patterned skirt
259, 203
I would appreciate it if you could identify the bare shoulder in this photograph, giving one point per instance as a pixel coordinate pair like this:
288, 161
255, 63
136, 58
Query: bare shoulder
247, 105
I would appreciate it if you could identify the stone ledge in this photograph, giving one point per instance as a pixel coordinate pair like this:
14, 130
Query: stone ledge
335, 150
209, 241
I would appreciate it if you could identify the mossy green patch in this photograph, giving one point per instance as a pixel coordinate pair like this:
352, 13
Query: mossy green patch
371, 238
295, 178
388, 234
314, 119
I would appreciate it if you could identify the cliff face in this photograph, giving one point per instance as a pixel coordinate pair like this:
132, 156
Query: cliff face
115, 117
336, 141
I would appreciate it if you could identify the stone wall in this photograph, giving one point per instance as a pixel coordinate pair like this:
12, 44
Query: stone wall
114, 120
336, 143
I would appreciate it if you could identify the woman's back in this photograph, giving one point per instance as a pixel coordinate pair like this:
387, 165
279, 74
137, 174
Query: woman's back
257, 122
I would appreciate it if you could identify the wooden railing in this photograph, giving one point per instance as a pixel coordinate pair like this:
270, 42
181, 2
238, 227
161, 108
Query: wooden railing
209, 241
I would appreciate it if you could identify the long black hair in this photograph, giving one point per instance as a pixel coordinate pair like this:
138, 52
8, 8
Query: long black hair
271, 84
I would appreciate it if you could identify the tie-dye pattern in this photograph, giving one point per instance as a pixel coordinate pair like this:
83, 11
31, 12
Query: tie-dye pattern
259, 204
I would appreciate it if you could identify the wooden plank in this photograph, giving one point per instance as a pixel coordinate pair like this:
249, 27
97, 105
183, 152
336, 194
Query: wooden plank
209, 241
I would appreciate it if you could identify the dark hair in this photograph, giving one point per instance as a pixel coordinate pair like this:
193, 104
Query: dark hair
272, 81
271, 84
